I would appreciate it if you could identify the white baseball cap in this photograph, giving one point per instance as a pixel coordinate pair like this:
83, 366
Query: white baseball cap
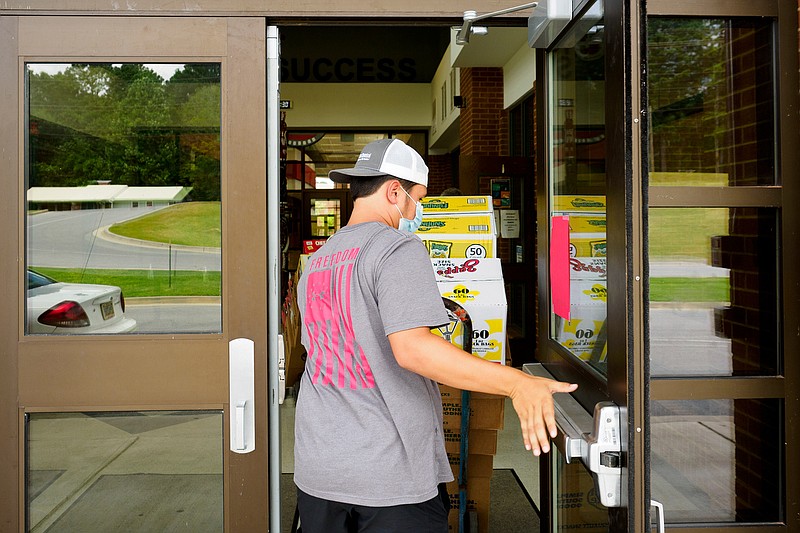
385, 157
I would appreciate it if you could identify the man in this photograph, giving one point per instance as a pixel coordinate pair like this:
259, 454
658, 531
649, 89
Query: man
369, 451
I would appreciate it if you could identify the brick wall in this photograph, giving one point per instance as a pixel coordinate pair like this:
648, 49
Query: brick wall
483, 125
440, 173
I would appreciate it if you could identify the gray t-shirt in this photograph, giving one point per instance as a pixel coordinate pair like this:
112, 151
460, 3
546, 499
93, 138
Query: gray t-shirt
367, 431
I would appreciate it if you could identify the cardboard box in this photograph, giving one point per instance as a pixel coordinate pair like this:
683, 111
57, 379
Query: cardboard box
459, 246
448, 232
587, 244
481, 441
466, 224
583, 223
294, 362
478, 465
457, 204
588, 313
587, 268
477, 286
485, 411
579, 507
570, 203
478, 499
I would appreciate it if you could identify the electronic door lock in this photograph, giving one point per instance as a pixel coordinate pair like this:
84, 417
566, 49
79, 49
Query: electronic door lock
603, 454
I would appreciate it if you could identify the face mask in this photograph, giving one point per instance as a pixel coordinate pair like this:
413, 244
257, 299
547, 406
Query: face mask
410, 225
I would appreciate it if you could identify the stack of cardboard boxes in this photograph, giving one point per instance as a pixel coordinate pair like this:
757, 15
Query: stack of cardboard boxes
460, 235
582, 332
486, 418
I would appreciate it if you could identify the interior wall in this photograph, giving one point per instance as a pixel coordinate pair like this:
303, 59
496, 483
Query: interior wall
357, 105
519, 74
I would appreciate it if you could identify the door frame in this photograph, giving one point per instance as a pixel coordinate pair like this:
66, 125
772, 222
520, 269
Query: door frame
624, 384
141, 374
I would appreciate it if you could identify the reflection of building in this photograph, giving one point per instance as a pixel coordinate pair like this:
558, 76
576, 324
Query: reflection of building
103, 196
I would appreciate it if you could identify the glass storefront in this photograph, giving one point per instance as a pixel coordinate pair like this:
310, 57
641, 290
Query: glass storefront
715, 294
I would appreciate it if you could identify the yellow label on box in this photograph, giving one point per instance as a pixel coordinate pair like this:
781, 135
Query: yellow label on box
457, 204
469, 224
442, 246
570, 203
587, 245
587, 224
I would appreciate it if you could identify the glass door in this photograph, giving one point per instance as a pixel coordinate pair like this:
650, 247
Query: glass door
591, 313
722, 140
135, 197
670, 254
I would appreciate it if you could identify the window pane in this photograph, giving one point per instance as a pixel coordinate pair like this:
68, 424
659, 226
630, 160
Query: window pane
711, 100
714, 295
577, 190
123, 198
717, 460
128, 471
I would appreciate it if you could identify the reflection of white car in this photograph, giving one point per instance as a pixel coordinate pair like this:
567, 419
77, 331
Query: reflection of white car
71, 308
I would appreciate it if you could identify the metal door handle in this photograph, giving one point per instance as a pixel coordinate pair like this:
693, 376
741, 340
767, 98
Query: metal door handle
240, 407
659, 513
241, 388
595, 440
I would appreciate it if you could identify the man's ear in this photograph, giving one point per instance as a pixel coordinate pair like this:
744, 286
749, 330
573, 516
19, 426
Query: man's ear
393, 190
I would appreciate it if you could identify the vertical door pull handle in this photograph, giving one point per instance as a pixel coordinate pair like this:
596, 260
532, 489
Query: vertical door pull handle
240, 410
659, 507
241, 402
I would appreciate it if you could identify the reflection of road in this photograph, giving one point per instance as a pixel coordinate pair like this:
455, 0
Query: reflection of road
683, 342
686, 269
160, 317
67, 239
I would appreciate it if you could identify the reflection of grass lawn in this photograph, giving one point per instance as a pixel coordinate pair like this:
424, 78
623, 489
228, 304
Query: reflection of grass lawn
689, 290
139, 283
685, 233
190, 224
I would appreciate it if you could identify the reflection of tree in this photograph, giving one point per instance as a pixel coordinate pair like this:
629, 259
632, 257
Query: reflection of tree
710, 91
126, 124
687, 64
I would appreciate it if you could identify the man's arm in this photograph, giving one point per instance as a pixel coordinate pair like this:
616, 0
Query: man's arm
420, 351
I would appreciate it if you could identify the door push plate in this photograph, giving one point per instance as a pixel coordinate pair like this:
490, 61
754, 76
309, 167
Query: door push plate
241, 361
602, 454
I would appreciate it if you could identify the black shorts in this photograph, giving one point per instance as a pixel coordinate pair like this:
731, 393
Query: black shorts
324, 516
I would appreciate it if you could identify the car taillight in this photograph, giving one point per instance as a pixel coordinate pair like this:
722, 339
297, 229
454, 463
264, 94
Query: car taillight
122, 302
65, 315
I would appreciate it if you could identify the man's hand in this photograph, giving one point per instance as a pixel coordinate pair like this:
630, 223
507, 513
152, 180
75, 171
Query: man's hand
532, 398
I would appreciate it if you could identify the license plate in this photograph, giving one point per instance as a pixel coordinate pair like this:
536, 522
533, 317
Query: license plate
107, 309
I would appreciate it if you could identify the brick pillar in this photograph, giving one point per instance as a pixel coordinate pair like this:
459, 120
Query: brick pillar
483, 124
